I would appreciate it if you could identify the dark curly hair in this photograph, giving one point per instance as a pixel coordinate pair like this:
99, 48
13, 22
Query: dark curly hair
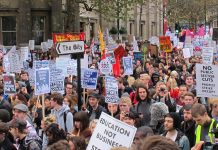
55, 133
79, 142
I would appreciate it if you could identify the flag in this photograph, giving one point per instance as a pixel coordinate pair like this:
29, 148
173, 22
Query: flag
101, 40
116, 67
201, 31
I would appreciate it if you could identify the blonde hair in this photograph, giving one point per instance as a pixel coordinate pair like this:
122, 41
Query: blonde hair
49, 120
126, 100
95, 121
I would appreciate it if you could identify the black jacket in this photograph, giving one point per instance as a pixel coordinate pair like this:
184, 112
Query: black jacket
188, 128
97, 111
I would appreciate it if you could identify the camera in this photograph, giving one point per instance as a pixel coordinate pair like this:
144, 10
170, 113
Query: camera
162, 89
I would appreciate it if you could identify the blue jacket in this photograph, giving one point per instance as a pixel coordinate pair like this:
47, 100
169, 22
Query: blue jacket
59, 115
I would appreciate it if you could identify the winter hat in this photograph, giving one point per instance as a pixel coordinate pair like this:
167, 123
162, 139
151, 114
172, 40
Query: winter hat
158, 111
176, 119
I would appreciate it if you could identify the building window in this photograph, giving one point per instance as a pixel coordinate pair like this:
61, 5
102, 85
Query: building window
92, 30
38, 29
130, 28
82, 26
142, 29
8, 29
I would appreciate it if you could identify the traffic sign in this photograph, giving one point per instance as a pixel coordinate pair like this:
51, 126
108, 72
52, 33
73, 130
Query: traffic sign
70, 47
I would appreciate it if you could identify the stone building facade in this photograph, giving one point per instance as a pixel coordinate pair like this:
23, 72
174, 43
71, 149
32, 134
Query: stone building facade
22, 20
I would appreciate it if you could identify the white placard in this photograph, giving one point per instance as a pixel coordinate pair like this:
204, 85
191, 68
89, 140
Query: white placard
110, 132
105, 66
111, 87
180, 45
186, 52
207, 55
128, 65
31, 44
207, 80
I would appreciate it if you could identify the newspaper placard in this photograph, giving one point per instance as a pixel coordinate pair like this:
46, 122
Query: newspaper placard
207, 80
207, 55
111, 90
105, 67
128, 66
111, 132
9, 84
42, 81
57, 81
89, 79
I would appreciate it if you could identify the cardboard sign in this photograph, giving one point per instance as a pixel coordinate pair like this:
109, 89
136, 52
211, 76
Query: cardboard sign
111, 132
105, 66
110, 57
42, 81
62, 37
111, 90
207, 55
57, 81
207, 80
9, 84
128, 65
14, 60
89, 78
165, 44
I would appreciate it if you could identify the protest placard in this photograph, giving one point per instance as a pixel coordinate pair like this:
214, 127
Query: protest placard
186, 52
14, 60
72, 67
207, 80
89, 78
110, 57
9, 84
24, 55
165, 44
180, 45
57, 81
61, 63
138, 56
31, 44
105, 66
207, 55
128, 65
49, 43
110, 132
31, 73
42, 81
41, 64
111, 90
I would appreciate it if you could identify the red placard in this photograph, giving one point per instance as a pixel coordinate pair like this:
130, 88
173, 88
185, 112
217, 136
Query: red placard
63, 37
165, 44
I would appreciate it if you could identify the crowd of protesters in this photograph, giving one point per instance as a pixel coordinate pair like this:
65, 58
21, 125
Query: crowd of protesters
159, 99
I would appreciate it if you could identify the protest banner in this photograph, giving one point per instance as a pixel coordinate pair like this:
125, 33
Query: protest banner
111, 90
110, 132
9, 84
31, 73
207, 55
105, 66
186, 52
207, 80
165, 44
89, 78
61, 63
31, 44
110, 57
24, 55
128, 65
57, 81
72, 67
42, 81
41, 64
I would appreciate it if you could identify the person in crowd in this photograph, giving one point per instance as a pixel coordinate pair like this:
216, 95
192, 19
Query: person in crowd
125, 106
140, 135
47, 105
158, 142
4, 104
20, 111
184, 73
5, 143
121, 86
137, 69
163, 75
155, 78
113, 109
158, 111
71, 101
94, 108
25, 78
26, 140
188, 125
5, 116
143, 105
145, 79
81, 125
19, 99
132, 119
172, 80
77, 143
55, 134
64, 118
189, 81
205, 125
182, 91
44, 124
92, 125
172, 127
35, 109
60, 145
214, 110
69, 89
